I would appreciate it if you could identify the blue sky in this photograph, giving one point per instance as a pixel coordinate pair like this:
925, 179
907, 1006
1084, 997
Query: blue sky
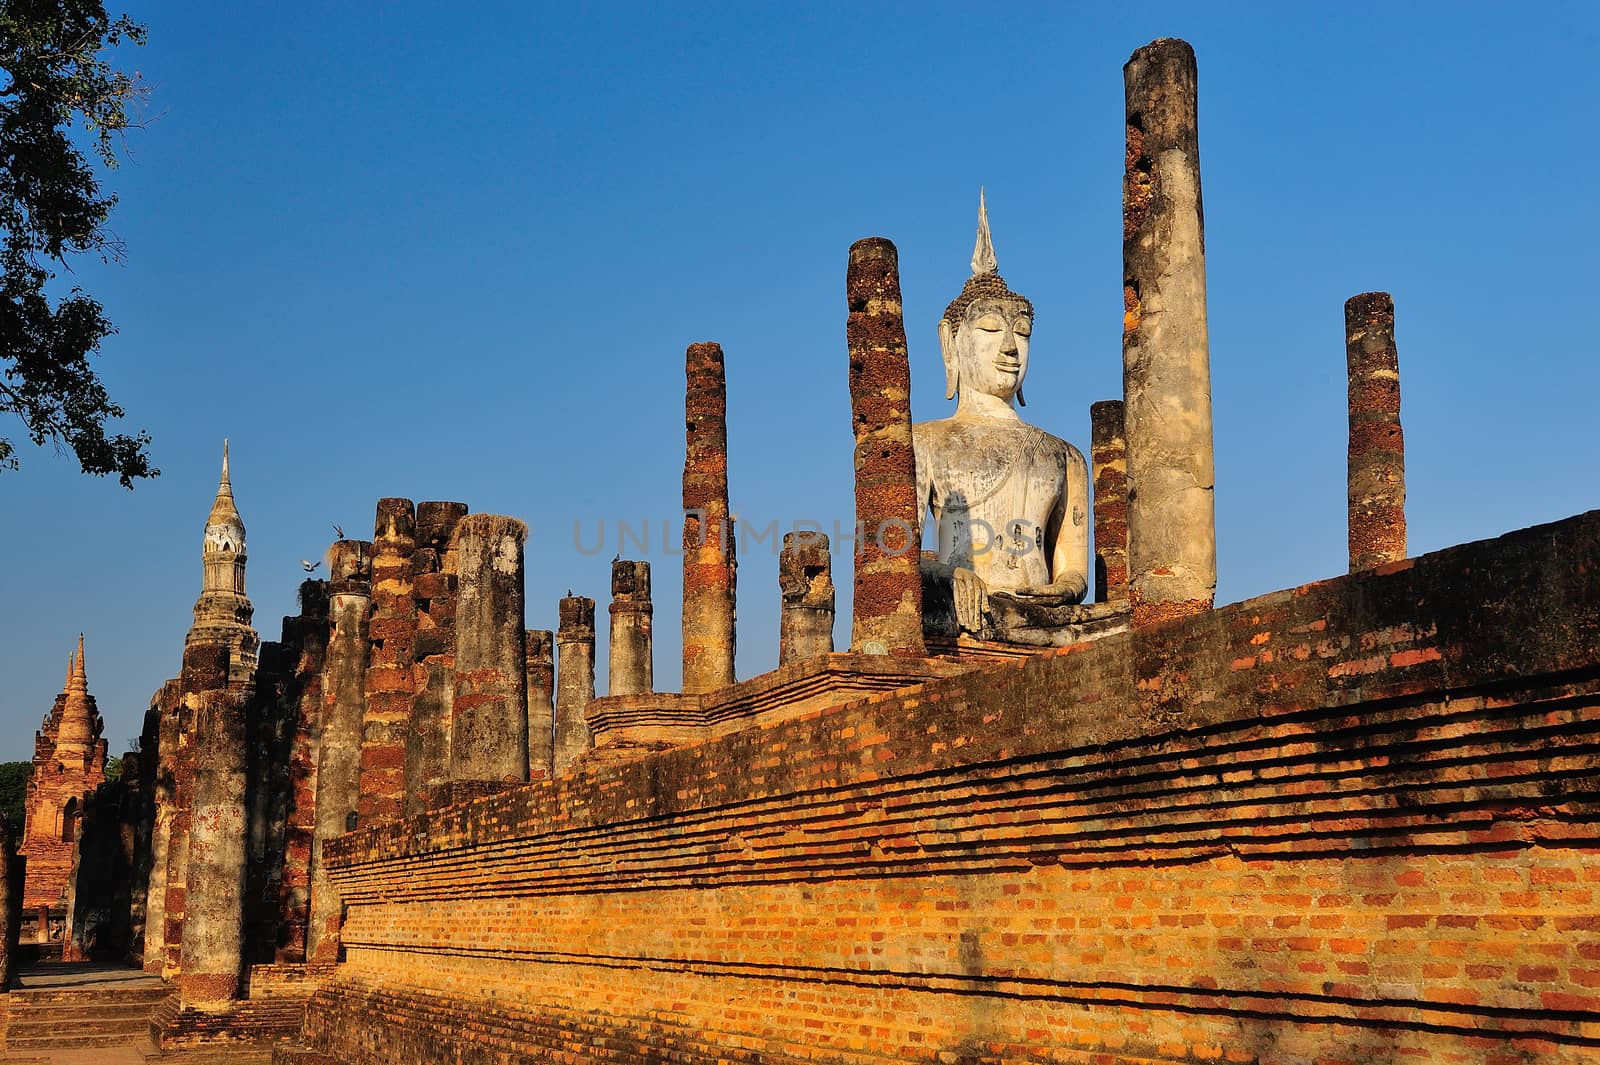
409, 249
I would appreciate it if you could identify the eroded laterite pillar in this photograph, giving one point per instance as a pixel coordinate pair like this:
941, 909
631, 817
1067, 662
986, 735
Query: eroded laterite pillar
164, 709
886, 617
1377, 447
308, 635
390, 681
708, 539
1166, 360
1108, 454
489, 729
343, 707
433, 578
805, 582
541, 670
574, 680
213, 926
632, 670
205, 672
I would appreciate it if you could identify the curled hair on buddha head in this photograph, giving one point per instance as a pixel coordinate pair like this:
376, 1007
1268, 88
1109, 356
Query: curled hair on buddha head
984, 284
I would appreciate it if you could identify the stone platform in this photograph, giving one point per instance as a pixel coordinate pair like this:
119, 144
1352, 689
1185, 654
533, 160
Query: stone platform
627, 725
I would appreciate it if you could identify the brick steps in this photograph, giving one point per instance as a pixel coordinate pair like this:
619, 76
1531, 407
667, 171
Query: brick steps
45, 1019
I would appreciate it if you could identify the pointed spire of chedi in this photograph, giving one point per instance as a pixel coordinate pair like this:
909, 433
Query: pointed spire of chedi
222, 613
75, 736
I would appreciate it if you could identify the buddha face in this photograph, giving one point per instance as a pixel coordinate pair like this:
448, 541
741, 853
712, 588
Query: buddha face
989, 352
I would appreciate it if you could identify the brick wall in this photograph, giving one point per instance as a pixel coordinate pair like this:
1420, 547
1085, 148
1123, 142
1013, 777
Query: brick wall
1349, 822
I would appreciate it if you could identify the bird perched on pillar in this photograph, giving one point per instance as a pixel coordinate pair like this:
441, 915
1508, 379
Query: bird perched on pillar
338, 530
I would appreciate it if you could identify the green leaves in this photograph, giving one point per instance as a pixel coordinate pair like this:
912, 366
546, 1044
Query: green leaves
55, 80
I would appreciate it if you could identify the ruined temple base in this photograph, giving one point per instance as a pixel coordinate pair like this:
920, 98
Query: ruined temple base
1353, 821
274, 1013
627, 726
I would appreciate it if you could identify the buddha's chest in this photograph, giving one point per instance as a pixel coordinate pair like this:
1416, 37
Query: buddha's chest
999, 475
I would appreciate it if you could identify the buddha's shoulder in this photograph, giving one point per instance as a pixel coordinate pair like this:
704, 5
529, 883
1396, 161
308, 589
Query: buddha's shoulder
954, 432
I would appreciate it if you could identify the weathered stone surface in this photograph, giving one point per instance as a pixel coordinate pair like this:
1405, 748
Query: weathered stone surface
632, 663
886, 613
307, 637
390, 679
574, 680
339, 751
1010, 500
709, 565
1166, 359
1108, 455
212, 940
489, 714
541, 670
1377, 458
805, 584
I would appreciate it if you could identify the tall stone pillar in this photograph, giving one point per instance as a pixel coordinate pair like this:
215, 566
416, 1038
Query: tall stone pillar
1108, 455
306, 636
434, 585
709, 564
339, 753
212, 959
205, 672
887, 610
805, 582
163, 754
489, 729
574, 680
390, 683
1166, 360
541, 670
1377, 487
632, 669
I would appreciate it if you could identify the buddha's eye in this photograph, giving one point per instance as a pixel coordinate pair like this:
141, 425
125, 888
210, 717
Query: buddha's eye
1023, 328
991, 323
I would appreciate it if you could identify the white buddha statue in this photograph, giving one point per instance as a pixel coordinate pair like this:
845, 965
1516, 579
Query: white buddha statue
1011, 502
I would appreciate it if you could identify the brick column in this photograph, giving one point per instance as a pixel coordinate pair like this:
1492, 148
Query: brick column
307, 635
886, 617
1108, 455
488, 732
205, 671
708, 539
390, 683
1166, 360
343, 705
574, 680
164, 755
433, 585
212, 940
1377, 472
541, 670
631, 660
805, 583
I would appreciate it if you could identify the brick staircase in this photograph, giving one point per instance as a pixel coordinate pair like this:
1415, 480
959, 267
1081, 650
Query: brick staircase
66, 1007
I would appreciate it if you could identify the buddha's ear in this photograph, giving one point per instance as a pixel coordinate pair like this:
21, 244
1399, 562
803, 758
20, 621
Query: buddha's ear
1020, 401
947, 350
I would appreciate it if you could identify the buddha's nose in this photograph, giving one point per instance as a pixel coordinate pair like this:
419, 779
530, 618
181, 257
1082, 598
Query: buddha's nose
1009, 345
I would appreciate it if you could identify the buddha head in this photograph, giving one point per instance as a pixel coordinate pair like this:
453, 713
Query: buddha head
984, 333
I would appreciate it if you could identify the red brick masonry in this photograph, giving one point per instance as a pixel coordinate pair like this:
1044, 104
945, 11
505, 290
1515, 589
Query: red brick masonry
1350, 822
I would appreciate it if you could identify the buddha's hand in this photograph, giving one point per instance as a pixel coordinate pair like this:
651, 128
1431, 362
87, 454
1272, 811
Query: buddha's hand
1071, 588
971, 597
